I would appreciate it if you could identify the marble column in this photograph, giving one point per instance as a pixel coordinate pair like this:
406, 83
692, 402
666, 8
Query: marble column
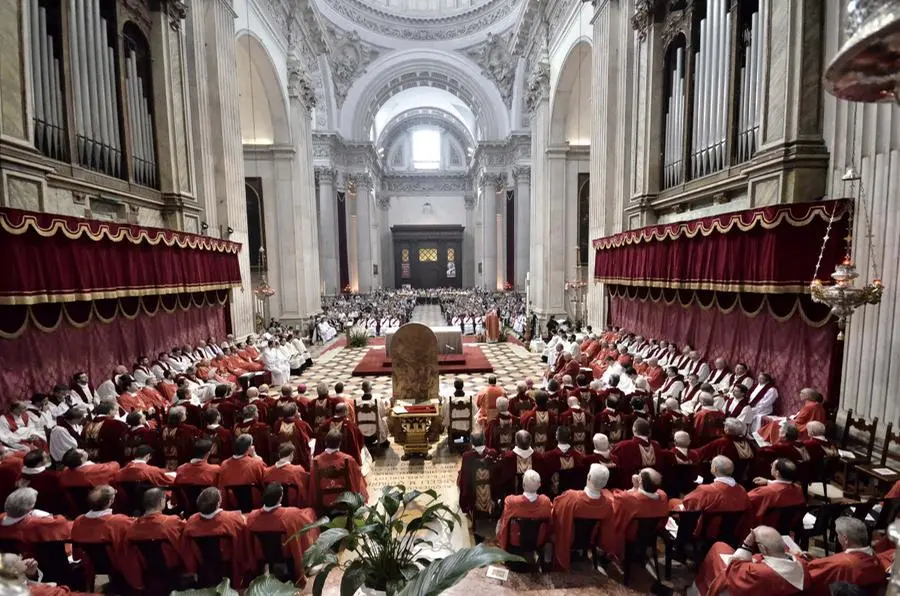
522, 176
469, 260
305, 258
217, 138
478, 238
375, 225
559, 246
364, 231
328, 240
489, 185
388, 277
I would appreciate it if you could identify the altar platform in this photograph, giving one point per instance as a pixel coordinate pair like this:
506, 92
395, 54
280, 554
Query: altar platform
377, 362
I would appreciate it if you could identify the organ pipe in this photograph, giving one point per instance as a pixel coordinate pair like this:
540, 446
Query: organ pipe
749, 100
674, 133
711, 88
49, 135
37, 81
141, 124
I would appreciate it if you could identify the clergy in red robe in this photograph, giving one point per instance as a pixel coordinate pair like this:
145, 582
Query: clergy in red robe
562, 465
293, 478
856, 564
243, 468
655, 374
812, 410
104, 436
817, 444
211, 520
511, 465
610, 421
140, 433
321, 408
325, 483
474, 477
671, 419
789, 445
11, 464
734, 445
709, 421
168, 529
101, 526
722, 494
131, 399
178, 438
22, 523
528, 505
486, 400
601, 453
352, 440
540, 423
781, 491
593, 502
222, 438
499, 433
894, 493
759, 566
80, 471
579, 421
291, 428
288, 521
37, 474
198, 471
643, 500
636, 453
250, 424
522, 401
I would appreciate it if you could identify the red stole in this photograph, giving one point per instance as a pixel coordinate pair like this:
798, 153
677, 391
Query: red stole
667, 384
758, 393
695, 367
689, 393
12, 421
733, 408
716, 376
87, 397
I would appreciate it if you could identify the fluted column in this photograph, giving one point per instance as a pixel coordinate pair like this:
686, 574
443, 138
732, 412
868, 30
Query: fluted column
489, 185
478, 238
303, 200
522, 175
364, 231
469, 259
388, 277
328, 240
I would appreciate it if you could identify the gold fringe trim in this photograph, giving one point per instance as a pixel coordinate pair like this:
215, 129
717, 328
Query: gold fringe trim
112, 294
762, 287
736, 219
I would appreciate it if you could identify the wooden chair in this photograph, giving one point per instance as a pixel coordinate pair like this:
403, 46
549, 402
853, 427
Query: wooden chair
531, 543
133, 503
786, 519
242, 496
861, 456
823, 470
585, 537
211, 568
822, 527
186, 497
868, 471
681, 544
291, 495
366, 411
77, 497
272, 546
680, 479
646, 531
99, 563
158, 578
460, 423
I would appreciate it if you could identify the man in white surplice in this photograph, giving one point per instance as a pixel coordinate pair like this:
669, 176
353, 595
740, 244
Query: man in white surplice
277, 364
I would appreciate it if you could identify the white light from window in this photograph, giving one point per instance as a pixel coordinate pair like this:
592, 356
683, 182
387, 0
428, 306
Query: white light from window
426, 149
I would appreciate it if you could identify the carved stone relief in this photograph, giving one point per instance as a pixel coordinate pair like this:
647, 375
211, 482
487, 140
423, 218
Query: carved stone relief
299, 84
497, 64
348, 59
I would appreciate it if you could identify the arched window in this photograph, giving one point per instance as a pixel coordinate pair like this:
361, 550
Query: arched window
139, 107
48, 92
426, 149
256, 228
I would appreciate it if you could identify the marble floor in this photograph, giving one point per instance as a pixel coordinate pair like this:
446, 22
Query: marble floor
512, 364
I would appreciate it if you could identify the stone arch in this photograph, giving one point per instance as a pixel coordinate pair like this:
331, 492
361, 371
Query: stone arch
263, 105
570, 107
425, 116
400, 71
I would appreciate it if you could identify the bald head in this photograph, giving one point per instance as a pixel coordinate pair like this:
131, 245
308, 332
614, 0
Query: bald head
734, 427
597, 477
769, 541
722, 466
531, 481
573, 402
523, 439
252, 392
672, 404
650, 480
707, 399
815, 429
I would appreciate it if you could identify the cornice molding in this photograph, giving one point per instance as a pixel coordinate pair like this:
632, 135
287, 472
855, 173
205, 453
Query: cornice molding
400, 184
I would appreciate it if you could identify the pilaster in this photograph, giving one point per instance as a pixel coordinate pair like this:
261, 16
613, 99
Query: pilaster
363, 202
469, 256
328, 225
522, 177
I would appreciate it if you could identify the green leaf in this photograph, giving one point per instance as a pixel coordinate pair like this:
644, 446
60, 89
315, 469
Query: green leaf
268, 585
330, 537
409, 571
319, 580
322, 521
411, 496
354, 577
391, 504
223, 589
447, 572
352, 500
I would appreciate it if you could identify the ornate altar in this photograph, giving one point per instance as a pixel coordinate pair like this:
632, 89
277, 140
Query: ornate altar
416, 428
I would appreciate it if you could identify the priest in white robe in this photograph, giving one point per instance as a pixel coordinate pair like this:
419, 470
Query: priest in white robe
762, 399
19, 429
276, 364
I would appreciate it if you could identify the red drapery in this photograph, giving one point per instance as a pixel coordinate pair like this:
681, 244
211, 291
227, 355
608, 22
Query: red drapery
36, 360
63, 259
786, 336
765, 250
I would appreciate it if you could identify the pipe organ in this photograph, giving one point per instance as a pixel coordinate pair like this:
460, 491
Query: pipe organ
49, 124
711, 90
98, 140
673, 150
140, 119
749, 100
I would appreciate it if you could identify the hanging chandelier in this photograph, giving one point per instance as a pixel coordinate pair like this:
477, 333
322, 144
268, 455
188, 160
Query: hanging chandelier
263, 290
844, 296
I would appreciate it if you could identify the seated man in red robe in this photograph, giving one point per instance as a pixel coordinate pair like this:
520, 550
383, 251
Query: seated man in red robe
601, 453
222, 438
856, 563
812, 410
511, 465
101, 526
474, 478
104, 436
722, 494
733, 445
139, 472
579, 422
637, 452
321, 408
252, 425
140, 433
37, 474
229, 526
780, 491
285, 520
669, 420
22, 523
291, 428
681, 453
563, 465
168, 529
609, 421
522, 401
130, 399
499, 432
817, 444
709, 421
540, 423
198, 472
528, 505
789, 446
593, 502
486, 400
292, 477
80, 471
325, 482
243, 468
351, 437
655, 374
178, 438
644, 499
759, 566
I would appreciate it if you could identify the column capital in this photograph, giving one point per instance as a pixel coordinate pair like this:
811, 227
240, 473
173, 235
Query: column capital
522, 173
299, 84
383, 202
470, 202
325, 174
361, 180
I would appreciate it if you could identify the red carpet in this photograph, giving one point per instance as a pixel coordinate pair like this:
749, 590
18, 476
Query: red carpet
472, 360
341, 341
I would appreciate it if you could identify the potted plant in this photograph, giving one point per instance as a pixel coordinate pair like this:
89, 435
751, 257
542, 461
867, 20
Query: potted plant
357, 337
380, 548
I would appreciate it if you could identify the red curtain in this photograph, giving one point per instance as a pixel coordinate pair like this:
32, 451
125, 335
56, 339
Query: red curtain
745, 251
37, 360
794, 342
60, 259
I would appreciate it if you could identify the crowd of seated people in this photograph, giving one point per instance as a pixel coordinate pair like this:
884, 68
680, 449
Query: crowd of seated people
238, 466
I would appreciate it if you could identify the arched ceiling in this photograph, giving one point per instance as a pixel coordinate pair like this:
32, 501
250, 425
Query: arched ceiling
423, 100
425, 117
261, 100
571, 106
